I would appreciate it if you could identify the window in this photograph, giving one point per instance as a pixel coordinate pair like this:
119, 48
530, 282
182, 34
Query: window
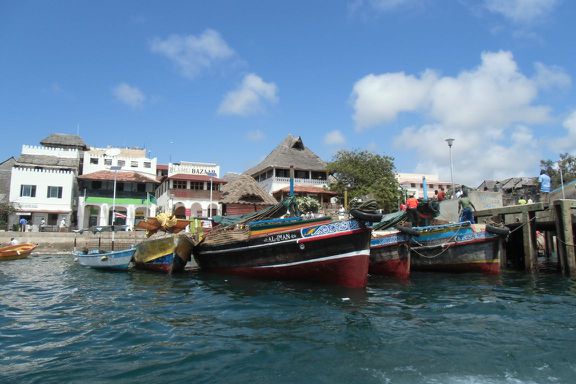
282, 172
413, 185
107, 161
300, 174
147, 164
96, 184
319, 175
134, 164
28, 191
179, 184
140, 187
121, 163
54, 192
196, 185
93, 160
431, 185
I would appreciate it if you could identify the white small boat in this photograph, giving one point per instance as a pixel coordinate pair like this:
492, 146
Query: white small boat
117, 260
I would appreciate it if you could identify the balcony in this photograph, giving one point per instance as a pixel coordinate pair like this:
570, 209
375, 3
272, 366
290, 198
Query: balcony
194, 194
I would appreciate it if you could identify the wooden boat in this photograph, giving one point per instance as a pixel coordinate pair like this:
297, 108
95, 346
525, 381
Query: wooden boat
390, 253
16, 251
163, 222
167, 253
318, 250
389, 247
457, 247
115, 260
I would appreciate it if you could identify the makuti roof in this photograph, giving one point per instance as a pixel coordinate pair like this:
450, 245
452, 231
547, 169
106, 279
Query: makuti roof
62, 140
47, 161
291, 152
243, 189
122, 176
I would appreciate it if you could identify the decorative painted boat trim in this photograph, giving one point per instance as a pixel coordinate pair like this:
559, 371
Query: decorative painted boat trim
168, 254
336, 252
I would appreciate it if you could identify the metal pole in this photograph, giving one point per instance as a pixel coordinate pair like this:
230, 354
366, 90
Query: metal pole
210, 206
115, 169
450, 142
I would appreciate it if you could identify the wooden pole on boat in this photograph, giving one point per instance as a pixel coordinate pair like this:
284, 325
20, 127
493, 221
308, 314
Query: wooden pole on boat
291, 180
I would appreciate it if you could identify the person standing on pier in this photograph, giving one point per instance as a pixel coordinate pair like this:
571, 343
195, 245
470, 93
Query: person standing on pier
465, 208
544, 181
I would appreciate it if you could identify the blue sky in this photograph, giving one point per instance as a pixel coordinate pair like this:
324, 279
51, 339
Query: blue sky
227, 81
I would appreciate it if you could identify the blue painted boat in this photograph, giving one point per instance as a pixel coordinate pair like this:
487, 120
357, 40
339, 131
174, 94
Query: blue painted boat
115, 260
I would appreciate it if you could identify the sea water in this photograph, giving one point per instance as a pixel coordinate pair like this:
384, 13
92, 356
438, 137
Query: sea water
64, 323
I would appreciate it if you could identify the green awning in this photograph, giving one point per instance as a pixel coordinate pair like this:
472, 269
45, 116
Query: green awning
119, 201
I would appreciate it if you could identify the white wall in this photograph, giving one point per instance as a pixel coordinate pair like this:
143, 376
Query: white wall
128, 160
42, 179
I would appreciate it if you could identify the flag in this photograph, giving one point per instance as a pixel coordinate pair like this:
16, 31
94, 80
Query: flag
119, 215
152, 198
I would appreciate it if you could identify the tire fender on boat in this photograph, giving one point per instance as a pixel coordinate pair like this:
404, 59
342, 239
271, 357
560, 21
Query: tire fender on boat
365, 216
501, 231
408, 230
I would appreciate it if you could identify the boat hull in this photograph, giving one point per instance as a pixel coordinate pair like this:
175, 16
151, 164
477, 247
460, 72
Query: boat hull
389, 254
456, 248
16, 251
114, 260
332, 253
167, 254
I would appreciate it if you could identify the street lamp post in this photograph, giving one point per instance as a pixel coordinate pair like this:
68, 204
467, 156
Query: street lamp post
114, 168
450, 142
212, 175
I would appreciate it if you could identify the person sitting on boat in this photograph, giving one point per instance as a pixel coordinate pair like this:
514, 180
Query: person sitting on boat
465, 208
14, 241
441, 194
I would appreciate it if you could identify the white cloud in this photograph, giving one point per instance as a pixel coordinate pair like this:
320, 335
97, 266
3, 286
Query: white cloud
488, 110
367, 6
522, 11
549, 77
334, 138
568, 142
250, 97
192, 54
255, 135
129, 95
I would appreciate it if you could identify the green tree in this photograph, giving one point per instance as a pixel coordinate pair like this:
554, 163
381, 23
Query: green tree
6, 209
307, 204
567, 163
365, 175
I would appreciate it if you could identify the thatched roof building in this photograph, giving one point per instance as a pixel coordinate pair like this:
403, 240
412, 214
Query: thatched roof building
62, 140
291, 152
243, 195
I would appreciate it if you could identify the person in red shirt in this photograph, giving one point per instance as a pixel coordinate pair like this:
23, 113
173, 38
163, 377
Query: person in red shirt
412, 210
441, 194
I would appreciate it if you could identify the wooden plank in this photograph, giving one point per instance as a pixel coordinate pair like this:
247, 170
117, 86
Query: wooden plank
560, 238
568, 238
512, 209
530, 256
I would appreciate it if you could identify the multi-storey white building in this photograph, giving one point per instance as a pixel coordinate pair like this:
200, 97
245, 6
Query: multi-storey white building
191, 189
310, 175
43, 182
414, 183
122, 180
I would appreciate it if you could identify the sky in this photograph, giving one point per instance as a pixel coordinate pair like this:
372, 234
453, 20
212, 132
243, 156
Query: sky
225, 82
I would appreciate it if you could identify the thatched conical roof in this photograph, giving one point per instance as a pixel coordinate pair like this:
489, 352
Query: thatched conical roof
291, 152
243, 189
62, 140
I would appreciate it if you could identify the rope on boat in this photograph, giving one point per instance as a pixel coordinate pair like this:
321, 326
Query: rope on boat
444, 246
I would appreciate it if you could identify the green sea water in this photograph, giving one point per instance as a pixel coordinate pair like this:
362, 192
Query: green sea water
63, 323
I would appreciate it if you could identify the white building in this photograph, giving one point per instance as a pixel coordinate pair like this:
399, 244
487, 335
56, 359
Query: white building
43, 183
310, 175
120, 180
413, 183
191, 189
